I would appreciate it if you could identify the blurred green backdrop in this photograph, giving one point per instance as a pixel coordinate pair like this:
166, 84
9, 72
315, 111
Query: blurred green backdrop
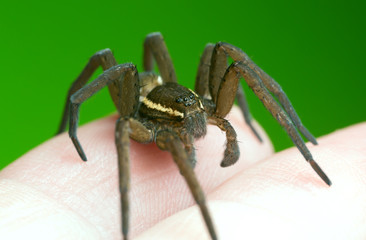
314, 49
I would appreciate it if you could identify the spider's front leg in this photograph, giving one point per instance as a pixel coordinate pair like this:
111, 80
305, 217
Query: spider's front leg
231, 78
168, 141
127, 127
123, 151
223, 89
218, 69
203, 88
128, 89
124, 76
103, 58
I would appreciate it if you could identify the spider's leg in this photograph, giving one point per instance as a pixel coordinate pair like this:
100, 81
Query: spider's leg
238, 69
188, 141
129, 93
243, 104
214, 64
201, 85
232, 153
155, 48
238, 55
127, 127
168, 141
102, 58
276, 89
123, 151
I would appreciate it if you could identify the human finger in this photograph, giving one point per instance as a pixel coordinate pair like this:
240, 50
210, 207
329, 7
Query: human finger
282, 198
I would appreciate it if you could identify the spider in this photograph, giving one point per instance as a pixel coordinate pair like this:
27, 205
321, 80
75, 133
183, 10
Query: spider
155, 108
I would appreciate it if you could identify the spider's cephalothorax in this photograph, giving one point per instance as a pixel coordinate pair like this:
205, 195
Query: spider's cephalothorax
174, 103
158, 109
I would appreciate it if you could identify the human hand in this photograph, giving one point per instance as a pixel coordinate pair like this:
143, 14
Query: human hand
49, 193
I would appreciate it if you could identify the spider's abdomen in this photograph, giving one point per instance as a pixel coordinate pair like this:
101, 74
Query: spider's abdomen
170, 101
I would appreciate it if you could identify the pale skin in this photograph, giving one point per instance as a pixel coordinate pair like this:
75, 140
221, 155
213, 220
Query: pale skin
49, 193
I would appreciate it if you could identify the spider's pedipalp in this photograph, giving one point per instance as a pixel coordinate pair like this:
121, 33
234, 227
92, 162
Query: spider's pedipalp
168, 141
232, 153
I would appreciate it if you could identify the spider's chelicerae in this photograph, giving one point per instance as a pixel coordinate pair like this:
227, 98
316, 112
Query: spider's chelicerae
157, 109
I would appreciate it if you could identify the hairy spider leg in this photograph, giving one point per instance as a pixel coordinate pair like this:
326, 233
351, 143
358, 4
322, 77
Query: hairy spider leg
127, 96
202, 84
127, 76
223, 50
102, 58
168, 141
123, 151
188, 141
243, 105
155, 48
287, 117
239, 69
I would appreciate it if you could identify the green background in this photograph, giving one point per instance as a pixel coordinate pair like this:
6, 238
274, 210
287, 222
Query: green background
314, 49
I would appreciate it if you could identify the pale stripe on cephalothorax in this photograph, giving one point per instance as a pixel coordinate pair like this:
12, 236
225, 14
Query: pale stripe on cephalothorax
198, 98
157, 106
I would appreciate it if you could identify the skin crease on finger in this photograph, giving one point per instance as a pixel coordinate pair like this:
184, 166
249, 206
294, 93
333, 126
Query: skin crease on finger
49, 192
282, 198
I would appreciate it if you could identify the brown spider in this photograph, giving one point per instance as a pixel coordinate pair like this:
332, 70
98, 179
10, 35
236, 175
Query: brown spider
154, 108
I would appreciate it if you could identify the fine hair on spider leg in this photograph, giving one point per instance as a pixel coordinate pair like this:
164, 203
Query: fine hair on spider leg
155, 108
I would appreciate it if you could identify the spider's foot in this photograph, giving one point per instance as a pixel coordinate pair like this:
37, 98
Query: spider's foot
79, 148
308, 135
255, 133
320, 172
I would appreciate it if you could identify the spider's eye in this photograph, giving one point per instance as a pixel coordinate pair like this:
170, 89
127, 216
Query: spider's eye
179, 100
185, 99
191, 97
